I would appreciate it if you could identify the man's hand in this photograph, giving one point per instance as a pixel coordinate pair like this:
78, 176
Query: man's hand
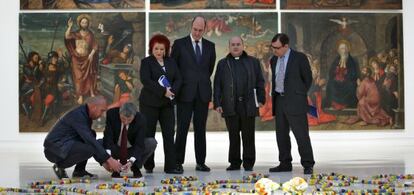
260, 105
168, 93
110, 39
112, 165
126, 166
219, 109
70, 22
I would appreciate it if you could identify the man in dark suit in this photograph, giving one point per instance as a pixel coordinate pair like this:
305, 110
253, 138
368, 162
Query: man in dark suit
195, 57
124, 138
291, 80
238, 93
72, 141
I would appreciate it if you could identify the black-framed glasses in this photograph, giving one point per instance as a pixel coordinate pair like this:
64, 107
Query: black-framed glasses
277, 48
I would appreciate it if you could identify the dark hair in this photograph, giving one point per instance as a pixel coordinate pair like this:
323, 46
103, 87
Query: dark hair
52, 54
31, 55
161, 39
205, 21
369, 71
283, 38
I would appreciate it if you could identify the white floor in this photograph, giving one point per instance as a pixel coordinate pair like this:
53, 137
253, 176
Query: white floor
360, 154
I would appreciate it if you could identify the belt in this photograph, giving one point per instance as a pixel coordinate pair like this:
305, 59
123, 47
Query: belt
240, 99
279, 94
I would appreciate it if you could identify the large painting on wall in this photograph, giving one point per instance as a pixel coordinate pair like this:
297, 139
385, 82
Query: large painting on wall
357, 65
341, 4
81, 4
65, 58
256, 29
213, 4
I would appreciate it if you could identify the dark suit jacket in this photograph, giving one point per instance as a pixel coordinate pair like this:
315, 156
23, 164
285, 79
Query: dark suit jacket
136, 133
298, 79
152, 93
74, 126
195, 76
224, 82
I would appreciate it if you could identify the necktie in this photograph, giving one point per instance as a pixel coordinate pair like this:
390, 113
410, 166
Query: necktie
198, 52
124, 149
280, 75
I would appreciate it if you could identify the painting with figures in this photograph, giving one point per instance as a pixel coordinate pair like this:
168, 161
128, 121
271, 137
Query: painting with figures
213, 4
256, 30
357, 65
341, 4
64, 58
81, 4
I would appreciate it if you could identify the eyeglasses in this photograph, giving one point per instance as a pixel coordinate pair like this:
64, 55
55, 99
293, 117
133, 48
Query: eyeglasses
277, 48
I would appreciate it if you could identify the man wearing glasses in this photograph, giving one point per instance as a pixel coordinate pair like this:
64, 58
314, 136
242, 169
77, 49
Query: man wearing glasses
291, 80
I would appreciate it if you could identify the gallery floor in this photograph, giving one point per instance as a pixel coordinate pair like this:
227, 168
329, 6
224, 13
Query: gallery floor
361, 154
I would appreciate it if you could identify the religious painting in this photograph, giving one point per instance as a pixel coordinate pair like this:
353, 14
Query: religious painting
213, 4
64, 58
357, 65
81, 4
256, 30
341, 4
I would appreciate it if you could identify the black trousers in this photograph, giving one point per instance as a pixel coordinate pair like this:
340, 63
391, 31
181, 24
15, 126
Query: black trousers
150, 145
165, 115
78, 154
299, 125
186, 110
246, 125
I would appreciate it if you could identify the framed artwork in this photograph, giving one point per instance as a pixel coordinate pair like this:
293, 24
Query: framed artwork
81, 4
213, 4
256, 30
65, 58
357, 65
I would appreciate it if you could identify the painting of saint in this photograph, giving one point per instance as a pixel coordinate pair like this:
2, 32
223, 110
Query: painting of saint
342, 46
64, 58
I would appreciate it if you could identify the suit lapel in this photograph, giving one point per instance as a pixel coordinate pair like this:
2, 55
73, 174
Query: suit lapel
157, 66
117, 126
204, 51
190, 48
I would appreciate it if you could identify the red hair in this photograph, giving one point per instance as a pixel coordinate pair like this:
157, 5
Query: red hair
161, 39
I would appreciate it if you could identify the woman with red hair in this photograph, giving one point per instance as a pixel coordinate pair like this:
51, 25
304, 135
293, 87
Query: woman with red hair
157, 98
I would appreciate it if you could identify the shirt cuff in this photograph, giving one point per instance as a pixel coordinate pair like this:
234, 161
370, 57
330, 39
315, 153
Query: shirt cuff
108, 151
132, 159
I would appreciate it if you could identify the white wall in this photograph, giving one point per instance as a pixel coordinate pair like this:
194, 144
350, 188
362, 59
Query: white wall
9, 131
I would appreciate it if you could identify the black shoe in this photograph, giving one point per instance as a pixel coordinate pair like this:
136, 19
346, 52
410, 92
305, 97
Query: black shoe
248, 168
281, 168
83, 173
137, 174
308, 170
173, 171
202, 167
115, 175
180, 168
148, 171
60, 172
233, 167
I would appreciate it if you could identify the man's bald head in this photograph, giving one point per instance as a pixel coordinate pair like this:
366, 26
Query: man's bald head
236, 46
198, 27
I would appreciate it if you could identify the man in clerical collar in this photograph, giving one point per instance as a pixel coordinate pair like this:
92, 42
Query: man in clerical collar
238, 94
